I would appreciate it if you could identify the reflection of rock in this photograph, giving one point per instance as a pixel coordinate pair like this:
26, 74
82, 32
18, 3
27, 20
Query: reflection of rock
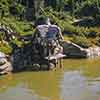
5, 66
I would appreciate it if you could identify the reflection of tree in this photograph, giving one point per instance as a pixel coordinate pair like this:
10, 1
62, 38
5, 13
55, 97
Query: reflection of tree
45, 84
88, 67
92, 69
7, 82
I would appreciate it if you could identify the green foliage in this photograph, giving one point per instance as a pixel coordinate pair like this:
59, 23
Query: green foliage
82, 41
4, 47
62, 19
16, 9
56, 10
21, 27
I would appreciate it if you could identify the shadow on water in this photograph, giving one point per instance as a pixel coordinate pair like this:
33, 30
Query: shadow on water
79, 80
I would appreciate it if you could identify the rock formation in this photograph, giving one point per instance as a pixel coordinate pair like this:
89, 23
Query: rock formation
72, 50
5, 64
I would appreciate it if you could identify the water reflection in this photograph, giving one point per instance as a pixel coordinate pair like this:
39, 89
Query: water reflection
18, 93
80, 80
94, 85
76, 88
43, 84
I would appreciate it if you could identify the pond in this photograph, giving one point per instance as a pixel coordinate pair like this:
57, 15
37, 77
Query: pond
79, 80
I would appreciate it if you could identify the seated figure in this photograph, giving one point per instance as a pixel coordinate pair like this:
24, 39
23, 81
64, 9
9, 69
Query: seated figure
49, 37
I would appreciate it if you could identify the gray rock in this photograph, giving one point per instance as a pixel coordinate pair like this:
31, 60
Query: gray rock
2, 58
93, 51
72, 50
2, 61
2, 55
5, 66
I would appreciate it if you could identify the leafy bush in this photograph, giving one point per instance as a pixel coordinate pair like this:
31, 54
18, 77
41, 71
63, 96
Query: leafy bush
89, 9
4, 47
21, 27
82, 41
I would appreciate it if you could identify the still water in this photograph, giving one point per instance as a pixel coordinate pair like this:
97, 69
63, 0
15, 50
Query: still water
79, 80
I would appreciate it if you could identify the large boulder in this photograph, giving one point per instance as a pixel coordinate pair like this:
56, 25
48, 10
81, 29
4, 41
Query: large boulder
72, 50
2, 58
5, 65
93, 51
2, 62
